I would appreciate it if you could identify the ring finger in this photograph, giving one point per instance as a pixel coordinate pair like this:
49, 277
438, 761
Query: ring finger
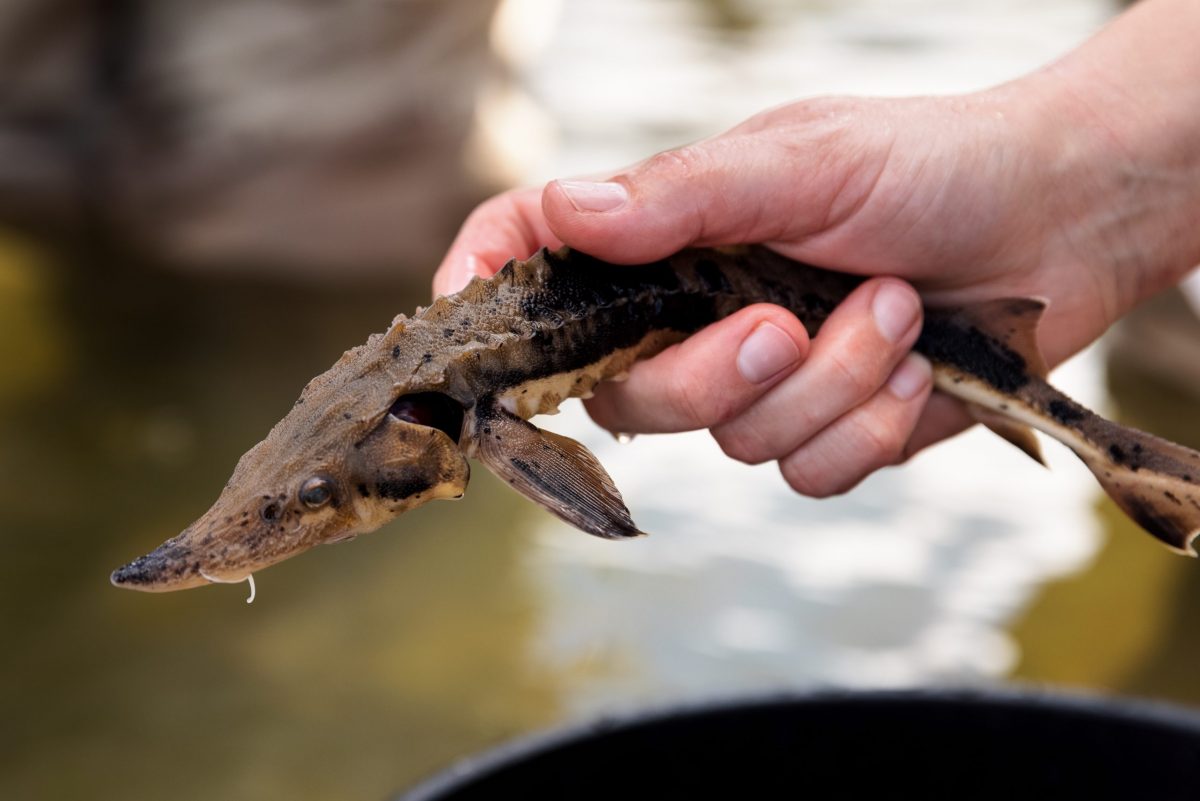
852, 357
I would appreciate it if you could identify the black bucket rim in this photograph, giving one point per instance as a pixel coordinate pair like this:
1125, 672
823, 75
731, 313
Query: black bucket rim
1084, 703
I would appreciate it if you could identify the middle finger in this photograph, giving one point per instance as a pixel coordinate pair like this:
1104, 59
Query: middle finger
852, 356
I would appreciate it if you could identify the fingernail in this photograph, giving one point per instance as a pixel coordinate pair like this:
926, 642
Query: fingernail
765, 353
896, 308
588, 196
910, 377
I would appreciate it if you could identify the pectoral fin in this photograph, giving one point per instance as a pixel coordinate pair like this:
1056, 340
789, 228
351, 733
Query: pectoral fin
555, 471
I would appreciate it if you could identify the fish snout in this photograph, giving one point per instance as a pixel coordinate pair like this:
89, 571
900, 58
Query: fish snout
170, 566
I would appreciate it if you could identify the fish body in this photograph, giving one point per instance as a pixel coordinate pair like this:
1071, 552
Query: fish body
391, 425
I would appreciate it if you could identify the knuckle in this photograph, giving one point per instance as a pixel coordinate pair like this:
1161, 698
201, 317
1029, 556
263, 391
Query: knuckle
753, 440
881, 440
742, 445
686, 398
803, 478
684, 162
810, 477
846, 483
823, 486
853, 375
720, 407
695, 399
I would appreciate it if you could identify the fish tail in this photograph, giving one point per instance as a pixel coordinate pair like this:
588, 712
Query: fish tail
1155, 482
987, 355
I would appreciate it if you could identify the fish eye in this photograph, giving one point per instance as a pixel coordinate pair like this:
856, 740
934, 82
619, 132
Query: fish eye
316, 492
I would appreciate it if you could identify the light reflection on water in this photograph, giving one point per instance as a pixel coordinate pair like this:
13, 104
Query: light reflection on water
362, 667
910, 579
625, 78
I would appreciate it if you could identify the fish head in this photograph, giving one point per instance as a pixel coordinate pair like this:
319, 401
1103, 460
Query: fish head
348, 458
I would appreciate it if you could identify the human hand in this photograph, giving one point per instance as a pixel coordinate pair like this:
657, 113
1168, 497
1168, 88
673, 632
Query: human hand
1028, 189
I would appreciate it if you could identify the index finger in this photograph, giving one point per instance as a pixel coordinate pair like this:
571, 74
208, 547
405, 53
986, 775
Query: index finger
708, 378
510, 224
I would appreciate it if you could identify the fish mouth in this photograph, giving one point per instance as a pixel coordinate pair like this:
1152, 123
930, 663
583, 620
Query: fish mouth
170, 566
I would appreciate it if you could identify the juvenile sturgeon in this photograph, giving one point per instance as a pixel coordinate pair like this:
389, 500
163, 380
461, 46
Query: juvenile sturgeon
390, 426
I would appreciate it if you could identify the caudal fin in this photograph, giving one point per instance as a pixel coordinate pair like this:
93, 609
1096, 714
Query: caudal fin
987, 355
1157, 483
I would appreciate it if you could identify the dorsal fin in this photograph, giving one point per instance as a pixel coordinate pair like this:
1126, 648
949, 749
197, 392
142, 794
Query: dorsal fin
1013, 322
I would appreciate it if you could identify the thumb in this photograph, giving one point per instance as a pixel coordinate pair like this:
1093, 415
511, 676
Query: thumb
780, 186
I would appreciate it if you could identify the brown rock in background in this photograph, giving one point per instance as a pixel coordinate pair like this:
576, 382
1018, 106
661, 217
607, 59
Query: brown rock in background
312, 138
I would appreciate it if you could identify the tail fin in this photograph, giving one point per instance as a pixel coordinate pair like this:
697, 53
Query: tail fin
1157, 483
989, 357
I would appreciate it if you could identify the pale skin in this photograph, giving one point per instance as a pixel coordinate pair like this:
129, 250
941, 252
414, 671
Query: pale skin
1079, 183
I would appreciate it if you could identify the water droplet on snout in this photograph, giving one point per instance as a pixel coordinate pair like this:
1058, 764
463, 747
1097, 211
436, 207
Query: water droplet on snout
624, 438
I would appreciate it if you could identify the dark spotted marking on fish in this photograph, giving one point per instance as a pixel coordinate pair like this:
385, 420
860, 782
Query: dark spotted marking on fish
1149, 516
402, 486
1066, 411
464, 375
972, 352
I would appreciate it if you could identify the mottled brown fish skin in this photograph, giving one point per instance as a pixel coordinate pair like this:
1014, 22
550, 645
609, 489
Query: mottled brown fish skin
569, 310
390, 426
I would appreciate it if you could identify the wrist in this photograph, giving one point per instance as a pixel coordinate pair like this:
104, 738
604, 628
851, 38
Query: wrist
1120, 122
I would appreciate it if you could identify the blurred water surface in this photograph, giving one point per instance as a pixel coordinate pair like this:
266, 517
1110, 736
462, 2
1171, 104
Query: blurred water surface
126, 395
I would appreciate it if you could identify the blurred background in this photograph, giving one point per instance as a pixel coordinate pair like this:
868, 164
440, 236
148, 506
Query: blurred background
203, 204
